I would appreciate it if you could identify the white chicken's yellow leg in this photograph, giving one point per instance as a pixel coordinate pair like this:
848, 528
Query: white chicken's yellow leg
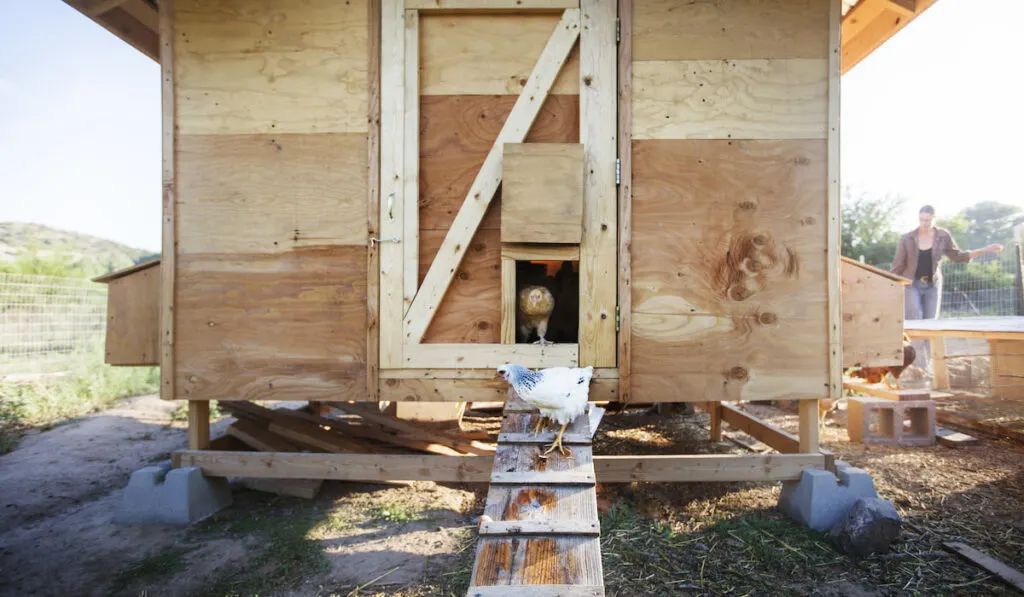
558, 443
540, 421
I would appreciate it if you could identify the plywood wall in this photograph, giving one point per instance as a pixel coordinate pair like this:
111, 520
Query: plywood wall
729, 227
471, 72
271, 206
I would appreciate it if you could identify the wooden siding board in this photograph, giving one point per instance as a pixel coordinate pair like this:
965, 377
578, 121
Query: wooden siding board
456, 134
169, 177
742, 314
474, 54
735, 29
731, 99
256, 66
392, 178
373, 57
271, 193
625, 267
272, 327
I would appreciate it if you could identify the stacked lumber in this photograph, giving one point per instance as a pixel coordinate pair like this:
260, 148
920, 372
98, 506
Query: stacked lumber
356, 429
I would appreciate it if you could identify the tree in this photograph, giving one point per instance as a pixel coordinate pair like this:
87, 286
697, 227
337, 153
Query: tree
868, 226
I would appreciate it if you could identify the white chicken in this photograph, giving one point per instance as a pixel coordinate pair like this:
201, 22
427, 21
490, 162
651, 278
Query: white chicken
560, 393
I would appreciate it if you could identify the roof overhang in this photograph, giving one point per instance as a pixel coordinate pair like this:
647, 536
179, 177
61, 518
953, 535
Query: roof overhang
867, 24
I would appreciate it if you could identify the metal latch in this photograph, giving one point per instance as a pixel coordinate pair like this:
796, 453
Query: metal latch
393, 239
618, 319
618, 171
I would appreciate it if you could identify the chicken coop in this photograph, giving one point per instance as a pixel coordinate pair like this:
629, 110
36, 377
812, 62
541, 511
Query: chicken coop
356, 194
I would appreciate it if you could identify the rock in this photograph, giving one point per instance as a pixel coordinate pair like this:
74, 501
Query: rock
869, 527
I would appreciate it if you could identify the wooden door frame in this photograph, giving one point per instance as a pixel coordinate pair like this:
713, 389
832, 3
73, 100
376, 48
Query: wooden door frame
406, 311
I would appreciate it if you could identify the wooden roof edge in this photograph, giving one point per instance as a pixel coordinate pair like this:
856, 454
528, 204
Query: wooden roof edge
876, 270
138, 267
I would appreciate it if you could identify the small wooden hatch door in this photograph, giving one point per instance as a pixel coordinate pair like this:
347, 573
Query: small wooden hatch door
459, 90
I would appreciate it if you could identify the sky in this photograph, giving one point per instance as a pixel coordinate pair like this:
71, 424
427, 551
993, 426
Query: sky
933, 115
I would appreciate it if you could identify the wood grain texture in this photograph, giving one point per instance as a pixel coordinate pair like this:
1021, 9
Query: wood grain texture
392, 179
834, 235
872, 318
733, 29
427, 389
625, 110
471, 309
1007, 376
258, 66
487, 356
705, 468
373, 19
271, 193
517, 252
474, 54
542, 193
742, 311
410, 200
133, 319
169, 178
730, 99
272, 327
487, 180
490, 5
198, 425
456, 134
509, 304
774, 437
598, 130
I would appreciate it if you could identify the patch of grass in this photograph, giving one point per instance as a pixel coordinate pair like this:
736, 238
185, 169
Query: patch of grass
288, 553
393, 513
92, 386
152, 569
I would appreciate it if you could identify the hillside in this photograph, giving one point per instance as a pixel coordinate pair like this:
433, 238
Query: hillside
91, 254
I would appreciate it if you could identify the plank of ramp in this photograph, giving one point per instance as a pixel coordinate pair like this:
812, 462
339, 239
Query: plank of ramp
541, 533
954, 439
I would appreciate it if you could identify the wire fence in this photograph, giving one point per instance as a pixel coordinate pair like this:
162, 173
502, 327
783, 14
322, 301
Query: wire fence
46, 320
980, 288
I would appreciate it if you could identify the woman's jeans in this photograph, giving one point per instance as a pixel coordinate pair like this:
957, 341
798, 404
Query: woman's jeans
921, 301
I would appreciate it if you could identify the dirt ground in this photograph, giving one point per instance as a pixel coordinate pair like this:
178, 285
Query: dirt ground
61, 489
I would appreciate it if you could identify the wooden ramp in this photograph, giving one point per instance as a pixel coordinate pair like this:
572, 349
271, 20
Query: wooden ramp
543, 529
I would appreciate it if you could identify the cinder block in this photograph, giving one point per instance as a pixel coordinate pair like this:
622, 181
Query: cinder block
162, 495
875, 421
819, 500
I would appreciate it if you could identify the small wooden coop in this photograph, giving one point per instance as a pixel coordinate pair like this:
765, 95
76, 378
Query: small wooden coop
355, 191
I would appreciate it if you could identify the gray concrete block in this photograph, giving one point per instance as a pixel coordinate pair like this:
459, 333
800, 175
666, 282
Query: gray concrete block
819, 500
162, 495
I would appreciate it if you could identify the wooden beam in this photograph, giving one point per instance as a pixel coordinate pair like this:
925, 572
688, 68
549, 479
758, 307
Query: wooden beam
198, 425
809, 426
410, 200
1008, 575
784, 442
870, 23
373, 201
411, 430
489, 5
522, 252
484, 356
603, 373
392, 181
834, 233
598, 133
169, 244
258, 437
539, 591
625, 194
472, 211
477, 469
132, 31
93, 8
715, 430
509, 297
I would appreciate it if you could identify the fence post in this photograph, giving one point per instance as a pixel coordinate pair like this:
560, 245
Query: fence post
1018, 281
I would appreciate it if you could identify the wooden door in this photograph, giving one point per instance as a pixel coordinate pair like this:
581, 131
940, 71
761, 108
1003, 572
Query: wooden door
454, 89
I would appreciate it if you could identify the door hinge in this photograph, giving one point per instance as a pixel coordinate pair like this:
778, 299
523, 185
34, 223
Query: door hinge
618, 319
618, 30
618, 171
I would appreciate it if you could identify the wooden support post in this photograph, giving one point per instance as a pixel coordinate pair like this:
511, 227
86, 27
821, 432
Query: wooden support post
939, 363
715, 408
508, 300
809, 426
198, 425
169, 243
625, 194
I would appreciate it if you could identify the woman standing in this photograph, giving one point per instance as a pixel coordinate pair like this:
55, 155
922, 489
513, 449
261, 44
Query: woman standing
918, 257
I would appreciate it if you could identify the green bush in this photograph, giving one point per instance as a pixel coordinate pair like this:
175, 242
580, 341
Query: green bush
91, 386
